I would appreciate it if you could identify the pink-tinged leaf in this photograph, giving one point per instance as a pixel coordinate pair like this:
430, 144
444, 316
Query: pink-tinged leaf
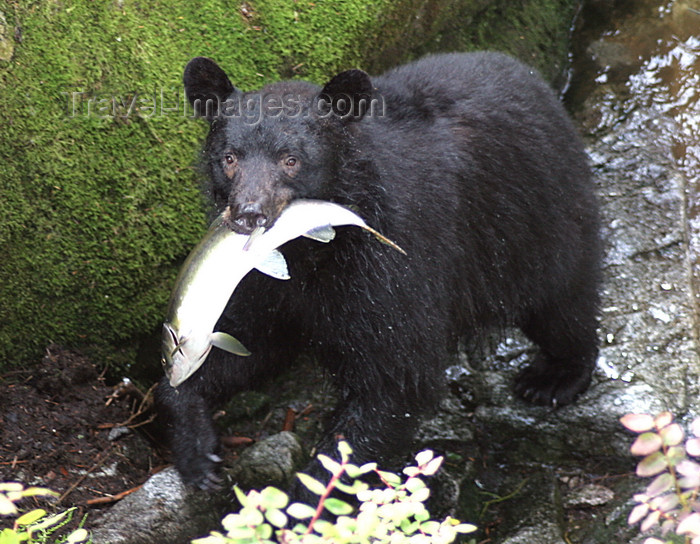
432, 467
652, 465
695, 426
688, 468
661, 484
651, 520
661, 502
672, 435
689, 482
646, 444
424, 457
690, 472
663, 419
689, 525
638, 423
692, 446
665, 503
637, 513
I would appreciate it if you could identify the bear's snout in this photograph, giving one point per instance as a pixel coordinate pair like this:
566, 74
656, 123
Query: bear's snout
248, 217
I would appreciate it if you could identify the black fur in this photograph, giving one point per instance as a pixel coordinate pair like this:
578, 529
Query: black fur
469, 163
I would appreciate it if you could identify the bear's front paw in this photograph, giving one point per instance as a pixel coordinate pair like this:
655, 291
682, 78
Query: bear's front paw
201, 472
196, 458
553, 383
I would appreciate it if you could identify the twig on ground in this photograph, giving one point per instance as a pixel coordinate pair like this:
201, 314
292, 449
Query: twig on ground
112, 498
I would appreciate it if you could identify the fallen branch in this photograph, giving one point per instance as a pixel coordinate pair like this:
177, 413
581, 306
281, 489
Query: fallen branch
112, 498
14, 462
236, 441
128, 423
289, 418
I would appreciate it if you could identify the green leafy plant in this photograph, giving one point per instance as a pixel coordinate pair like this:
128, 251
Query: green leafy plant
35, 526
669, 505
394, 513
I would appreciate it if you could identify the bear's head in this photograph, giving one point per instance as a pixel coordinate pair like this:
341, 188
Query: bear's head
268, 147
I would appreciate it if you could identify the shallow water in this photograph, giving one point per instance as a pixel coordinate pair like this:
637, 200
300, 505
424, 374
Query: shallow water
640, 62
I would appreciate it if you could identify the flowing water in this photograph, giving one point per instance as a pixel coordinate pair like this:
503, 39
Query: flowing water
638, 62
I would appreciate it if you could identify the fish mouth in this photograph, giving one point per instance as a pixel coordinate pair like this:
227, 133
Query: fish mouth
171, 345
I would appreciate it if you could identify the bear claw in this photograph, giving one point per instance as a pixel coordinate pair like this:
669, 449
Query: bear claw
550, 385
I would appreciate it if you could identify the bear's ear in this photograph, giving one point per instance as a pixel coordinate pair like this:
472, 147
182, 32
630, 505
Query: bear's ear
207, 86
347, 95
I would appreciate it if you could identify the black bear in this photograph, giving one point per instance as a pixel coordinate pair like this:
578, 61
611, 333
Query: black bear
468, 162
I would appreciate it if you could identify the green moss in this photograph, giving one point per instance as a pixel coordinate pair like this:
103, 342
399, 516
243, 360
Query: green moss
100, 199
535, 31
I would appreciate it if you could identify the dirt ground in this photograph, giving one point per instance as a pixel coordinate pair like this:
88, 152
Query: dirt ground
63, 428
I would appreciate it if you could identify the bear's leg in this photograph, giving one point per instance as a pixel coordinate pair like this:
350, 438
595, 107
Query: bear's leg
187, 412
566, 335
376, 433
385, 384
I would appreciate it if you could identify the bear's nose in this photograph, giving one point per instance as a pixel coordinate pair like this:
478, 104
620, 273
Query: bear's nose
249, 217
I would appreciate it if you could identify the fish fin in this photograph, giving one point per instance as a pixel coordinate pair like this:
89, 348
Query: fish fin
323, 234
274, 265
228, 343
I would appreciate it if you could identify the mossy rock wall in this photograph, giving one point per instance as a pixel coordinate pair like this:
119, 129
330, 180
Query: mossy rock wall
99, 194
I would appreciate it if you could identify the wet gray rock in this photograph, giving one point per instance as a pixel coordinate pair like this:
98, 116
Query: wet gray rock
546, 533
524, 491
589, 495
273, 461
165, 511
611, 55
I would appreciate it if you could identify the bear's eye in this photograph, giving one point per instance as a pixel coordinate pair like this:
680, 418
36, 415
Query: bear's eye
230, 162
291, 164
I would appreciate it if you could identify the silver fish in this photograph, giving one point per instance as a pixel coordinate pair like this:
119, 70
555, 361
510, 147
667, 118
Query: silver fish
216, 266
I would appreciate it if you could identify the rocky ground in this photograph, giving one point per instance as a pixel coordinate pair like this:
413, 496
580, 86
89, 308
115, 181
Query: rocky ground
62, 427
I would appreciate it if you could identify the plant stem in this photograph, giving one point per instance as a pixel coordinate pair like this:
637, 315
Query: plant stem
322, 500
